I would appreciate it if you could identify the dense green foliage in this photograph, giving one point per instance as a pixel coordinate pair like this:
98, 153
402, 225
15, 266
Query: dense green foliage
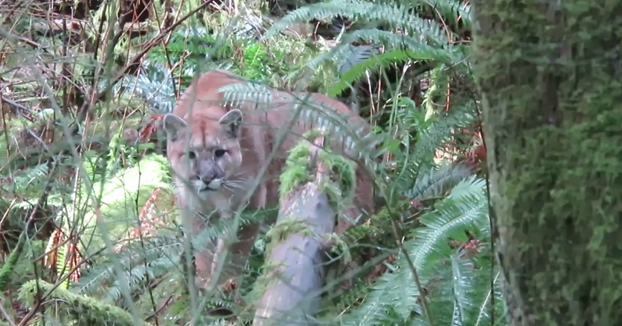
424, 258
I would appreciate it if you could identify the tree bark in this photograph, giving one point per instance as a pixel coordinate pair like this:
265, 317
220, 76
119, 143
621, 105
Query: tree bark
295, 273
550, 73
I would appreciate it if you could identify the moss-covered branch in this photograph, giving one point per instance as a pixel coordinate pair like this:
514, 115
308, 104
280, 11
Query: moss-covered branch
81, 310
294, 275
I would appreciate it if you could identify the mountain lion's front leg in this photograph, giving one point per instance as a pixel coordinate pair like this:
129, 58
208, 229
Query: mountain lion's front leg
204, 257
219, 261
242, 246
247, 234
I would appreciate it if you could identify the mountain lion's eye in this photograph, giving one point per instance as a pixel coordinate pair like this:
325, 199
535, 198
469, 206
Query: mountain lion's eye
220, 152
192, 155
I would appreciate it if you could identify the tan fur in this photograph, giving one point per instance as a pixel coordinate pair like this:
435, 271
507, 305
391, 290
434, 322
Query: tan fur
202, 109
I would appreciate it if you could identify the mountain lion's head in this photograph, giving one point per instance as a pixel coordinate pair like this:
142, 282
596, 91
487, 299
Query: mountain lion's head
204, 149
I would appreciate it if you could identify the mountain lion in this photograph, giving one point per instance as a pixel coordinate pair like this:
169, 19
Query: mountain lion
216, 151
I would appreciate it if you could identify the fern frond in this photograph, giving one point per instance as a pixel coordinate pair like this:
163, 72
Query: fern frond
398, 17
421, 49
435, 182
218, 227
358, 55
253, 93
24, 178
465, 209
432, 133
372, 64
416, 49
450, 10
439, 133
163, 251
61, 265
153, 85
460, 295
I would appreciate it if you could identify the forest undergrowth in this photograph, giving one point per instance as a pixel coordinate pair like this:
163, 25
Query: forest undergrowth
90, 232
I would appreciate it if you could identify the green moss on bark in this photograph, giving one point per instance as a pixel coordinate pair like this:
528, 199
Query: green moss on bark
551, 78
342, 187
80, 310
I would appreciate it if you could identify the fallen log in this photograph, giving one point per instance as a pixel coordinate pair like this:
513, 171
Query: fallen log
295, 267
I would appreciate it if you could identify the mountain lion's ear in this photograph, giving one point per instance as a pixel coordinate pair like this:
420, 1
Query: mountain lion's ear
231, 121
172, 125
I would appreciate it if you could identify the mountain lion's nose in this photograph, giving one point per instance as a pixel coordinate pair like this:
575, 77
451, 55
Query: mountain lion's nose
211, 182
207, 178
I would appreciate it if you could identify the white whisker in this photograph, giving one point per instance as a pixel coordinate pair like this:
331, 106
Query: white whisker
233, 186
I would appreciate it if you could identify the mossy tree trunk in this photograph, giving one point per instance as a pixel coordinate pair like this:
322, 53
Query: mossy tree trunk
550, 73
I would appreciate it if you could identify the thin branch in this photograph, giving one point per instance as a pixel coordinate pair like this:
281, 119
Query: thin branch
137, 58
